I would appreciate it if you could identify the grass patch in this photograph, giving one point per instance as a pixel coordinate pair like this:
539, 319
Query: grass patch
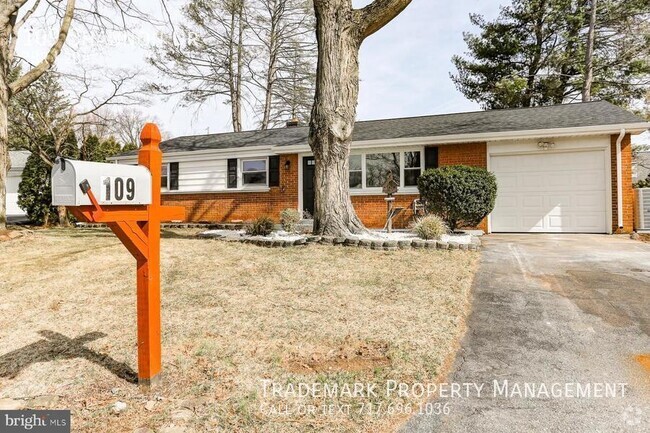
233, 316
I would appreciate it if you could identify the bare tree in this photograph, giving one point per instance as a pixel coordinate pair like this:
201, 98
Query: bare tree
284, 31
208, 58
589, 53
43, 118
91, 14
127, 126
340, 31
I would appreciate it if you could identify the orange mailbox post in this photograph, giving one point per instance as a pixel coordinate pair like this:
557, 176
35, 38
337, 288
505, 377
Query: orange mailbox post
138, 227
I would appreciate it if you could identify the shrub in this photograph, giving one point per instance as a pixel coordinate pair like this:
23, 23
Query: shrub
460, 194
289, 218
644, 183
262, 226
430, 227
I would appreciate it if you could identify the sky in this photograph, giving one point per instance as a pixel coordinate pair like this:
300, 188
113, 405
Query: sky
404, 68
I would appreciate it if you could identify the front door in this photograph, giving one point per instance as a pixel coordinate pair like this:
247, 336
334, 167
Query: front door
308, 174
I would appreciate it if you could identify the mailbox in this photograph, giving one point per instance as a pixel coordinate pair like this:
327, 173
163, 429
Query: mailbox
113, 184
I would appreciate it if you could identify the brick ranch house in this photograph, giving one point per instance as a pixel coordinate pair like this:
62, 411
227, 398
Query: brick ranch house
563, 168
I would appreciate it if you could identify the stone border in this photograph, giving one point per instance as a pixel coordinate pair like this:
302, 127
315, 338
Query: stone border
387, 245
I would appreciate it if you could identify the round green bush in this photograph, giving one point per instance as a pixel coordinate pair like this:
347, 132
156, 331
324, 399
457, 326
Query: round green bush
430, 227
461, 195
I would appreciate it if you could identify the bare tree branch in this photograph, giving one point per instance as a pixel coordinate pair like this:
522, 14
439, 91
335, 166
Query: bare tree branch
379, 13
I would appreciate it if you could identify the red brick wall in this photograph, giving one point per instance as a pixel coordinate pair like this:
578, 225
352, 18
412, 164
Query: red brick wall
372, 209
244, 206
474, 154
628, 191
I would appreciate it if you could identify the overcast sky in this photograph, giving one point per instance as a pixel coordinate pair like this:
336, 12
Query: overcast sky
404, 67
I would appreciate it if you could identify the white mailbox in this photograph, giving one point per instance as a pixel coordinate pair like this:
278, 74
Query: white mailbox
111, 184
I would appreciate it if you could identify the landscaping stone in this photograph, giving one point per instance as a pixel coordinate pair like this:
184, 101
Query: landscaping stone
150, 405
377, 245
311, 239
288, 243
473, 247
430, 244
390, 245
453, 245
404, 244
339, 241
268, 243
301, 241
464, 247
365, 243
418, 244
351, 242
443, 245
327, 240
277, 243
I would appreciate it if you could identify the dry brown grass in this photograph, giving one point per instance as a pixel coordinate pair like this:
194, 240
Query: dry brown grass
232, 315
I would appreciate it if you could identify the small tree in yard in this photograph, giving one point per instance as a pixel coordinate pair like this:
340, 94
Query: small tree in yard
460, 194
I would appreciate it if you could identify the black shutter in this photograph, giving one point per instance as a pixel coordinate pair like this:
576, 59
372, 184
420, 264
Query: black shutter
274, 171
173, 176
232, 173
430, 157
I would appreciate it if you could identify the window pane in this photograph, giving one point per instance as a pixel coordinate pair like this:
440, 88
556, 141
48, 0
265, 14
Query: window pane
163, 176
411, 159
355, 162
256, 165
411, 177
377, 165
255, 178
355, 179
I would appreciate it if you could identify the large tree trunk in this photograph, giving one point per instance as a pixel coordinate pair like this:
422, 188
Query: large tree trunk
333, 116
340, 30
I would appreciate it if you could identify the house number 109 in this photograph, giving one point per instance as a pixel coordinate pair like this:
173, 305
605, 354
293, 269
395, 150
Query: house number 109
118, 189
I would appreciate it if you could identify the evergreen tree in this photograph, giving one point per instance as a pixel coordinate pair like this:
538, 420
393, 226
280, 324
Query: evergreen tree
534, 53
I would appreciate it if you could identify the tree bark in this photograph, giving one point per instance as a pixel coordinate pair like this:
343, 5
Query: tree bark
589, 55
340, 30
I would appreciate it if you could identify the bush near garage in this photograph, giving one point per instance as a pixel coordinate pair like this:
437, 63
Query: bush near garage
461, 195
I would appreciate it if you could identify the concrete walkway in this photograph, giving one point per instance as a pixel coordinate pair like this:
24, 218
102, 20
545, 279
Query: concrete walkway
554, 309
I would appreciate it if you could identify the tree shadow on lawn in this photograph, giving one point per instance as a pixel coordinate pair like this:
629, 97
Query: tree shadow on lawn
57, 346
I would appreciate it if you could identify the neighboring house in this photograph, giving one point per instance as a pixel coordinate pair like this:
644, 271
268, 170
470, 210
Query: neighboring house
18, 159
641, 167
557, 167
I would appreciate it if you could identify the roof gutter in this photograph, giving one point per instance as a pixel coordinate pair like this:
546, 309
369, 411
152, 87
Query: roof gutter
619, 179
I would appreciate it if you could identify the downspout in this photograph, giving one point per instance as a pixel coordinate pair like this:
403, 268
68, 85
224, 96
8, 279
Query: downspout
619, 180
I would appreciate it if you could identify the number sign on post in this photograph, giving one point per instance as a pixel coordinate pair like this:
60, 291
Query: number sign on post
129, 204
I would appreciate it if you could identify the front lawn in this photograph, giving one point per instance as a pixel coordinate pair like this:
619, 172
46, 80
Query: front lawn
236, 319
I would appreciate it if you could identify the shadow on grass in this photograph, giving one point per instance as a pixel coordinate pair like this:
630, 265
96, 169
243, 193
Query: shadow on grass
57, 346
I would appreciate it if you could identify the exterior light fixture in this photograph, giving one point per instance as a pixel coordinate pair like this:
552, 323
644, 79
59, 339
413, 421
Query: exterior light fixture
287, 164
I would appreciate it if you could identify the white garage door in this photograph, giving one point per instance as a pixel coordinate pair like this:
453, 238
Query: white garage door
551, 192
12, 196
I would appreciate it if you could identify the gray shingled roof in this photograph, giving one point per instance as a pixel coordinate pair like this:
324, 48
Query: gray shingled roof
520, 119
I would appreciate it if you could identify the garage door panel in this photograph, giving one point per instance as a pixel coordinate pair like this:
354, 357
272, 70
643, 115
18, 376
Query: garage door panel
550, 192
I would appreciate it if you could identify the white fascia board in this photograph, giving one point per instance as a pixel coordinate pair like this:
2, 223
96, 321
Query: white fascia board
201, 155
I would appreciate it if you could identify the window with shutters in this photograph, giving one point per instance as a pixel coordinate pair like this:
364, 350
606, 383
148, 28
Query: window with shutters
254, 171
368, 170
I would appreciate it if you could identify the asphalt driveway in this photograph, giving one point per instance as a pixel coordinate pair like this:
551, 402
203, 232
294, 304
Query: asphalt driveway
567, 309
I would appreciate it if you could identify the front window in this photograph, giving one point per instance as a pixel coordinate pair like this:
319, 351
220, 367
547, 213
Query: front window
378, 165
164, 176
412, 168
254, 172
355, 171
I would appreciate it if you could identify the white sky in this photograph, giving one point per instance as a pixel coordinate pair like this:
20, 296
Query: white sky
404, 67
